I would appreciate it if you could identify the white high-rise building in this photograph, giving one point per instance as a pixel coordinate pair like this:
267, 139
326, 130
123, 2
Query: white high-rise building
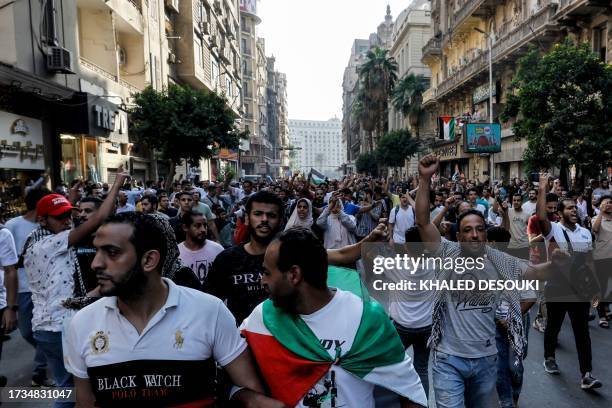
321, 146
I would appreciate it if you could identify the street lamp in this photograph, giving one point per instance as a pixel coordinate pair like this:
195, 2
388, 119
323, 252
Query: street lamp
490, 46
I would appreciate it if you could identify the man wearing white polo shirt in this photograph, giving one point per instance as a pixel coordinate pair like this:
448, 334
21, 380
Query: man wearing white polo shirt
150, 342
573, 238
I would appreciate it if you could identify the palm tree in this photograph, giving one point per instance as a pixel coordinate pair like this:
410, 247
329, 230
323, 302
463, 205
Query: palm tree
377, 77
408, 98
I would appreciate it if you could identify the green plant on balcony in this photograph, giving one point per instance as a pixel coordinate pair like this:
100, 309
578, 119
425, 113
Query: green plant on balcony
563, 104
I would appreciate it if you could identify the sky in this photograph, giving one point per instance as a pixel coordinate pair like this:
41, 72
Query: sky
312, 41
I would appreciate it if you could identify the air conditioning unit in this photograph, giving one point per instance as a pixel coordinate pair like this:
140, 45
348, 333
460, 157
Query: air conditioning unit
59, 60
122, 56
172, 59
204, 27
173, 5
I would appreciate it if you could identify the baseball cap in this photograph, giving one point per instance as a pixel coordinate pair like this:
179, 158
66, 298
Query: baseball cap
53, 205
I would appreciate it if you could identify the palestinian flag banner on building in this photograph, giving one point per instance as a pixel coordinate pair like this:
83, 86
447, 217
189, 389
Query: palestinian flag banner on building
446, 128
292, 359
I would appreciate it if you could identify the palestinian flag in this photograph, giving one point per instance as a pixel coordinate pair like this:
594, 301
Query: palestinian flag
292, 359
316, 177
446, 128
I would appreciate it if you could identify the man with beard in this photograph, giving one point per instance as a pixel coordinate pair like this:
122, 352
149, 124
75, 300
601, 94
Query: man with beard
149, 206
164, 206
569, 236
85, 250
463, 336
50, 262
150, 342
196, 251
322, 346
235, 275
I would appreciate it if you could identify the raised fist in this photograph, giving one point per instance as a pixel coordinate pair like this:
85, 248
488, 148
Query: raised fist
429, 165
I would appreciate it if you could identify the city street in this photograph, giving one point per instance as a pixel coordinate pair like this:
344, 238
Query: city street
540, 390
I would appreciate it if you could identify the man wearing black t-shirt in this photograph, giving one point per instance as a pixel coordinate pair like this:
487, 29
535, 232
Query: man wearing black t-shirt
235, 275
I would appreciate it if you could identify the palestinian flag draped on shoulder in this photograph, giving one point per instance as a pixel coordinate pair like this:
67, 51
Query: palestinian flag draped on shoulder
292, 359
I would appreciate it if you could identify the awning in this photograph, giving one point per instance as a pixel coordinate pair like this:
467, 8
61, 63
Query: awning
27, 82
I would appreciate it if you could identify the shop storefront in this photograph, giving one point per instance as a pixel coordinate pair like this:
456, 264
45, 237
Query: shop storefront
451, 158
98, 147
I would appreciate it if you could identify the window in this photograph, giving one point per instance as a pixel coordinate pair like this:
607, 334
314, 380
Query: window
198, 51
228, 84
600, 35
214, 72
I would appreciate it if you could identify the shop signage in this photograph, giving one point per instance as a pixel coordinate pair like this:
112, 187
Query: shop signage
21, 142
19, 127
481, 94
106, 120
112, 120
446, 151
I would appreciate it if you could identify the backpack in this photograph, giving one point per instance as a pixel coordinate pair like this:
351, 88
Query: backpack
397, 207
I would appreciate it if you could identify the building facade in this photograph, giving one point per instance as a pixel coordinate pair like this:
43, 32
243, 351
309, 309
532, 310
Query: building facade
68, 72
320, 146
458, 55
353, 136
203, 52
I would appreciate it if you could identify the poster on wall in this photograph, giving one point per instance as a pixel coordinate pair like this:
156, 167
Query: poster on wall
482, 138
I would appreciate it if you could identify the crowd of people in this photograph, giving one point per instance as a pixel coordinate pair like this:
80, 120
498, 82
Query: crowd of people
223, 292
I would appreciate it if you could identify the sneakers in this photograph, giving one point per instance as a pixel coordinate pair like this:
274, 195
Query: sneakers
589, 383
539, 324
550, 366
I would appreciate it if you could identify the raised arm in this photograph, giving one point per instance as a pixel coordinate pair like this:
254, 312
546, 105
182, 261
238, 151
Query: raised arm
429, 233
545, 225
88, 227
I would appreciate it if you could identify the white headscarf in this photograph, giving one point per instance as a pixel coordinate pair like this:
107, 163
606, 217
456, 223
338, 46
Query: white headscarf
296, 221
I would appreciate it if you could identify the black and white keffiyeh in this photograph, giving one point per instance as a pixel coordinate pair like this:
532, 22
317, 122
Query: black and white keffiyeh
509, 267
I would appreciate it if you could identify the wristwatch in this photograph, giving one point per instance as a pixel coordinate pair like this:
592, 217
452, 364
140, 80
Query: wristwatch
14, 308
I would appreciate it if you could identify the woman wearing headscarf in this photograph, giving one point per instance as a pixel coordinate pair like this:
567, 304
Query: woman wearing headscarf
301, 215
339, 227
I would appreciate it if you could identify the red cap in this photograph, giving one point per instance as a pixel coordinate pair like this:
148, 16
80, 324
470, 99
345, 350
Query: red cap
53, 205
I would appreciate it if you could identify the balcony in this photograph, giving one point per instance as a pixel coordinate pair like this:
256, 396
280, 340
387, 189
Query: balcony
469, 8
570, 10
432, 48
513, 44
429, 96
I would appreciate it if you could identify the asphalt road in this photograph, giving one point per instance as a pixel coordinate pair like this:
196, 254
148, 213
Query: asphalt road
540, 390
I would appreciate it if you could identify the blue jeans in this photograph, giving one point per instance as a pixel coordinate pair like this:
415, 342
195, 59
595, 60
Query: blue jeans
417, 338
464, 382
24, 322
509, 374
51, 345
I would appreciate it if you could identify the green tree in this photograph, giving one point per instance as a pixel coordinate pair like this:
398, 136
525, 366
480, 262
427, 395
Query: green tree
183, 123
395, 147
377, 77
408, 98
366, 163
563, 104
